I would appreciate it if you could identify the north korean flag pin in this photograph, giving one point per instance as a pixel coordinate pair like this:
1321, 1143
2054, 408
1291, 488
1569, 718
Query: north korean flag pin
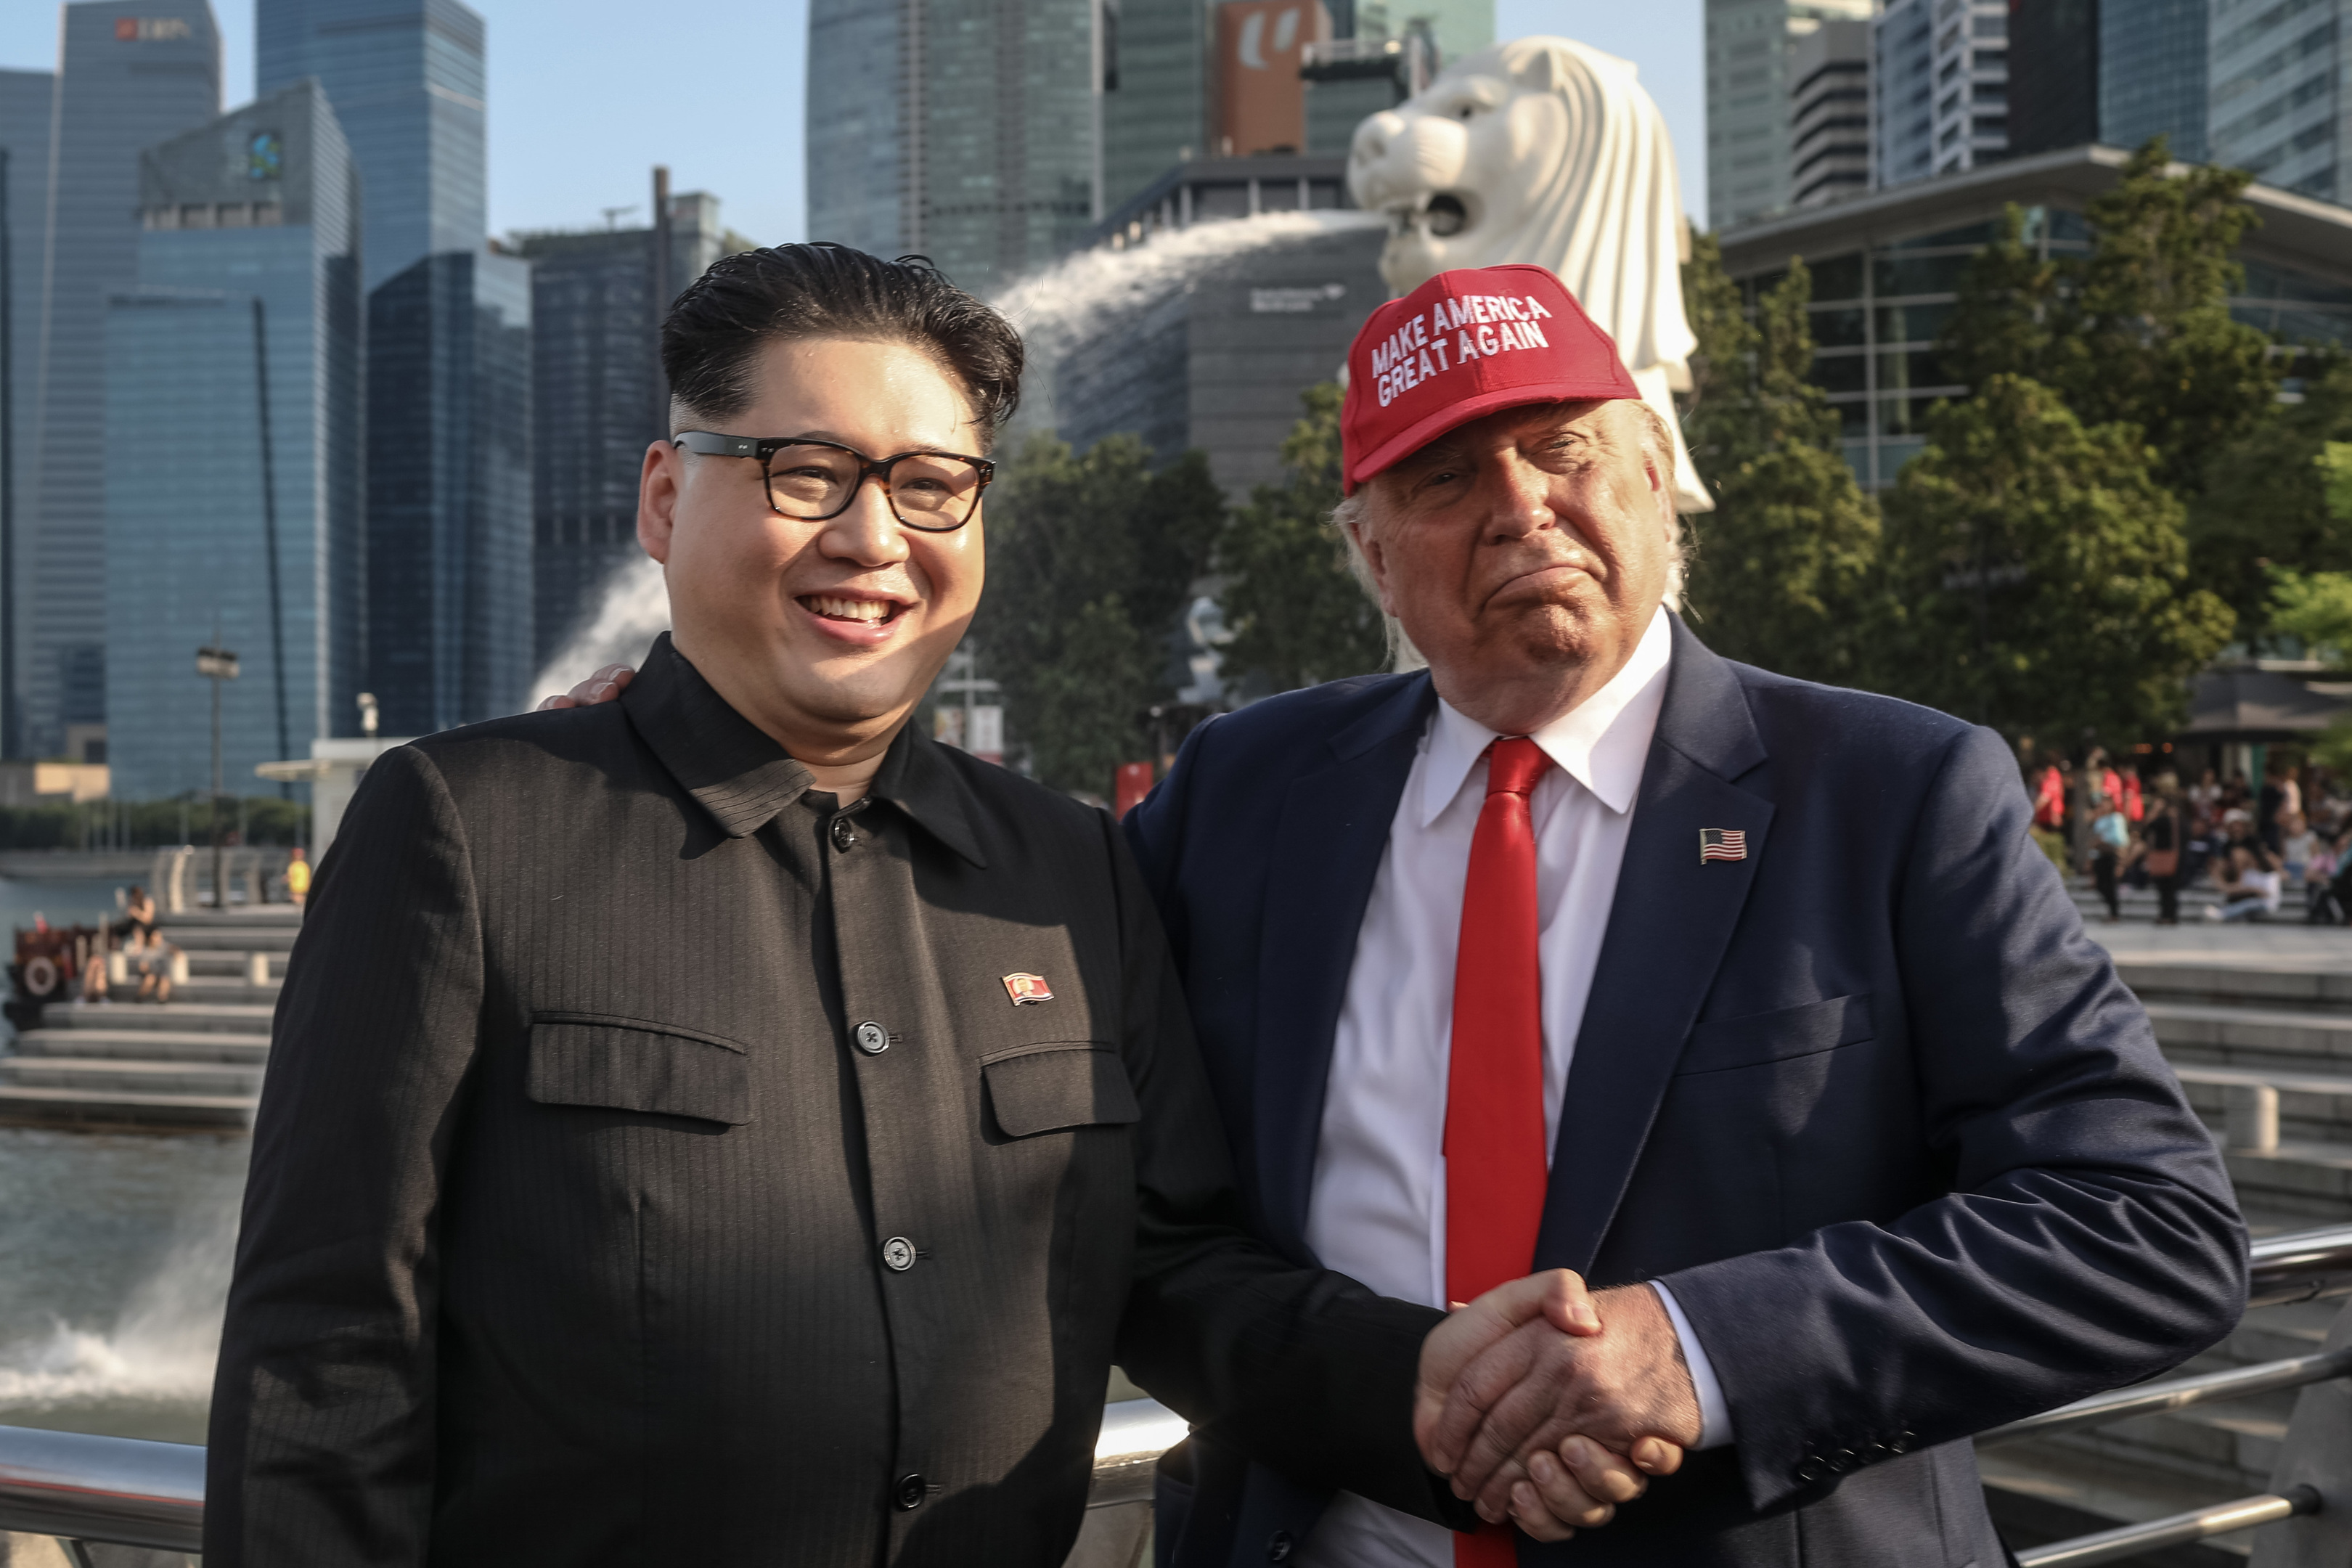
1024, 988
1721, 844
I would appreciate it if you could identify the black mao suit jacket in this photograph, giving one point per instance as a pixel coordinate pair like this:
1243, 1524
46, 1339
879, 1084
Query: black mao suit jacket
1868, 1101
655, 1166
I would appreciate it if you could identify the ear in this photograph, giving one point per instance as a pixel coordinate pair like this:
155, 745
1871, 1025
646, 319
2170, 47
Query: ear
1538, 69
659, 482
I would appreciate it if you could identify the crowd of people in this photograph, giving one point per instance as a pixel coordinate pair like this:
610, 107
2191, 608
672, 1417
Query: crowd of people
2281, 848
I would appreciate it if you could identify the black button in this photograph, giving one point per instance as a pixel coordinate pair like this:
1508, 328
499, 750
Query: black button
873, 1038
1278, 1549
844, 836
898, 1255
908, 1492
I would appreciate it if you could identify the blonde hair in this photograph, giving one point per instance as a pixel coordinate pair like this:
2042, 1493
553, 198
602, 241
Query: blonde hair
1354, 516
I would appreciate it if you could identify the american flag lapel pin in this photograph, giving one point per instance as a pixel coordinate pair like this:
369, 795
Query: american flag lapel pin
1722, 844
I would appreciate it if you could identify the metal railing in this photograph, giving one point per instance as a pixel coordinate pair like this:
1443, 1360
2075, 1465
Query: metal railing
127, 1491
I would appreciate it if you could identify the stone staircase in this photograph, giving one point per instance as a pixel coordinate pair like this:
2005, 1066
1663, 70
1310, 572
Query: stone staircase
2263, 1040
194, 1061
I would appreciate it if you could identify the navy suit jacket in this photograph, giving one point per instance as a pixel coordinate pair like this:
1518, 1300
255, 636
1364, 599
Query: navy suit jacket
1869, 1101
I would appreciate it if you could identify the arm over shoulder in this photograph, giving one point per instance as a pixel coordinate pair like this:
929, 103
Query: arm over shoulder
321, 1439
2089, 1237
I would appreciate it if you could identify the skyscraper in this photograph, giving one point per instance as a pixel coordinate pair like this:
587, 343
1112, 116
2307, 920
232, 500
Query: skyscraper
597, 397
232, 450
1155, 99
978, 116
126, 83
448, 466
2054, 76
26, 100
406, 79
1829, 114
1750, 63
2152, 73
1940, 88
2281, 98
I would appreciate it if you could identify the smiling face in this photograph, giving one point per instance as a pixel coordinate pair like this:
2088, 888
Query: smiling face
1525, 554
824, 633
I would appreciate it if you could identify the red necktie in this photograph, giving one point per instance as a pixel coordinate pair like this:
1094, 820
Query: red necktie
1495, 1167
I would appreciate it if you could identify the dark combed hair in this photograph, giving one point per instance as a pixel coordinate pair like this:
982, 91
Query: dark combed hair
712, 335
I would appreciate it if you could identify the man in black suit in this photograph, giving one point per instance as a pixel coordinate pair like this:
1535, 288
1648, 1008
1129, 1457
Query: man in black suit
721, 1125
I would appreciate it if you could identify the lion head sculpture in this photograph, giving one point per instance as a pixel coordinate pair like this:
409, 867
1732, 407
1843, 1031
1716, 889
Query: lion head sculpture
1544, 150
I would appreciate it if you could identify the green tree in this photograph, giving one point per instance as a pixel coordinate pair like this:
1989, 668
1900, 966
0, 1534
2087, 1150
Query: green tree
2138, 332
1297, 614
2044, 573
2314, 608
2266, 500
1090, 558
1785, 572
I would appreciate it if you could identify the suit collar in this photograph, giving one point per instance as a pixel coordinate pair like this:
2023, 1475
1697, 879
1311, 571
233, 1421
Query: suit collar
1705, 716
737, 771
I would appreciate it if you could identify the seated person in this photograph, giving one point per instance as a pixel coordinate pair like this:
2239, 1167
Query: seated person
2250, 886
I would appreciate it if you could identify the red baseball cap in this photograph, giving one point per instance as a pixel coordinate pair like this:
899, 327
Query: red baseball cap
1461, 346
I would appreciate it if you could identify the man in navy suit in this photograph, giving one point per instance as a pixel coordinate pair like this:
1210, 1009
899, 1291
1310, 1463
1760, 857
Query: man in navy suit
1865, 1140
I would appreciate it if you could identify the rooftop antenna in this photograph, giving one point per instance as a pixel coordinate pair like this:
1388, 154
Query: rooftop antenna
613, 215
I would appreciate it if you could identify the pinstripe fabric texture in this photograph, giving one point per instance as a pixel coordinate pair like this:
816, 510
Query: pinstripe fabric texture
569, 1236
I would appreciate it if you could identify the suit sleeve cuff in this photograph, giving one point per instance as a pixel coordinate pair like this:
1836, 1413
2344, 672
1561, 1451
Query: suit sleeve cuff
1714, 1414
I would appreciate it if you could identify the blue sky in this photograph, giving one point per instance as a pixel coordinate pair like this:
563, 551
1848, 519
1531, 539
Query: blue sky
585, 95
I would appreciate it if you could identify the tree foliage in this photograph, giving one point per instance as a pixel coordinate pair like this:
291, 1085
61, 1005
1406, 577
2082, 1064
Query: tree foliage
1090, 559
1785, 571
2137, 332
2043, 573
2314, 608
1298, 614
2266, 501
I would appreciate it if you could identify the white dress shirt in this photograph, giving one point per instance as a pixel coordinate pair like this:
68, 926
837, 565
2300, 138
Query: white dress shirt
1377, 1210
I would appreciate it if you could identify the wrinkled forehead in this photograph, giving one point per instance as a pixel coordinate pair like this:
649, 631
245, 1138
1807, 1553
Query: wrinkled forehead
1600, 418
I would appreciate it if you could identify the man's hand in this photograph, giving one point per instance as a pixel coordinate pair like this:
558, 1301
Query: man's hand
1565, 1474
601, 687
1525, 1389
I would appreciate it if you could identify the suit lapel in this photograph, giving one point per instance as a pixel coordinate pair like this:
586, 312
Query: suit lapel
1669, 924
1326, 856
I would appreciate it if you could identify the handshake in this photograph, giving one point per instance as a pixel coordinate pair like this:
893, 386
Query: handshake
1548, 1406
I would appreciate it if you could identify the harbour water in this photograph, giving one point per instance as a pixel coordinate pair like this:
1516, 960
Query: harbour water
114, 1252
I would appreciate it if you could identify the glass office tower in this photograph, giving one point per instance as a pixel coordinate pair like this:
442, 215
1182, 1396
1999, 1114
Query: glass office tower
598, 398
961, 129
2152, 74
26, 102
127, 83
2280, 75
233, 454
448, 466
1750, 77
406, 81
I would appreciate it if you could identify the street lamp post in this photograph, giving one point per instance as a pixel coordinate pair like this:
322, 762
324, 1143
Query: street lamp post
218, 665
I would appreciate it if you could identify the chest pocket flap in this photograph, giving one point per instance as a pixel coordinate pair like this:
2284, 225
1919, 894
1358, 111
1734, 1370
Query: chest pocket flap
1074, 1083
1800, 1031
584, 1058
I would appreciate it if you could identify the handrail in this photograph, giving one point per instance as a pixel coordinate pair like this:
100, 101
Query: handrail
2301, 1266
2148, 1399
2197, 1524
123, 1490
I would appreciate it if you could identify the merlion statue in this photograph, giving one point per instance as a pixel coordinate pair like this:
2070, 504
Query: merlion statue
1544, 150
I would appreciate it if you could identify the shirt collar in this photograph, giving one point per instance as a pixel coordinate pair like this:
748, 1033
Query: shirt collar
738, 773
1601, 742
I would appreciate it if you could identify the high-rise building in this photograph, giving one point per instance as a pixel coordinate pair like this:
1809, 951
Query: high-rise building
406, 80
598, 397
2152, 57
2054, 76
1750, 73
1829, 116
233, 448
26, 100
2281, 98
1155, 108
1940, 88
450, 483
978, 116
125, 83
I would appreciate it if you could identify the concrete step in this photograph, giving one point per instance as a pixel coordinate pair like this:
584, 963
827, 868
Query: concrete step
232, 938
111, 1074
227, 964
2298, 985
2219, 1034
86, 1107
143, 1045
231, 1018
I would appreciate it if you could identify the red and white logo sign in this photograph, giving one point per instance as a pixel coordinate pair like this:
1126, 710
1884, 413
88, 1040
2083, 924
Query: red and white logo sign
1024, 988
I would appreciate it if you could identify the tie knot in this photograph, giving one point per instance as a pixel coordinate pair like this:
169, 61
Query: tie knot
1513, 765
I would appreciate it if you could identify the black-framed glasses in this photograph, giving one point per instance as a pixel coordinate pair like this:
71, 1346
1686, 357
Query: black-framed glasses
933, 492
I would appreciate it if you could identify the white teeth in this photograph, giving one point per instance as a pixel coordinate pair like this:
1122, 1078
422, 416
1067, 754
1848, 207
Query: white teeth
848, 609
